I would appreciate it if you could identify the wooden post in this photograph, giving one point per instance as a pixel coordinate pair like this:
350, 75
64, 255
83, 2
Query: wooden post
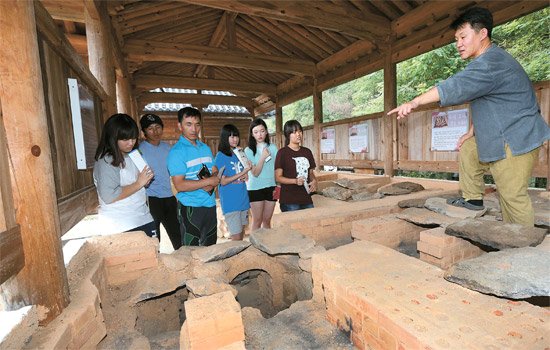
43, 279
99, 55
279, 138
390, 102
123, 94
317, 120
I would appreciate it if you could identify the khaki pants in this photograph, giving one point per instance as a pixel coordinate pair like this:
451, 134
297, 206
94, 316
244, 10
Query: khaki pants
511, 176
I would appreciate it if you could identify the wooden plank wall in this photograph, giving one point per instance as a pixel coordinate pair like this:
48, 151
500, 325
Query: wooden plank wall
413, 141
76, 194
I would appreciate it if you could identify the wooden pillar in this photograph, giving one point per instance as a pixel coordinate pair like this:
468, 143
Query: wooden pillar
317, 120
279, 137
100, 56
43, 279
390, 102
134, 107
123, 94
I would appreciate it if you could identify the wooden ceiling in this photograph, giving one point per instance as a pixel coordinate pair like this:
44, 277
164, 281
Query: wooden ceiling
263, 50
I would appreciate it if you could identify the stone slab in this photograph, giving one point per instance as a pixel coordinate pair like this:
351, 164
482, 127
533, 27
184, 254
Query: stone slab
400, 188
158, 282
219, 251
412, 203
512, 273
280, 241
423, 216
366, 196
347, 183
439, 205
495, 234
307, 254
337, 192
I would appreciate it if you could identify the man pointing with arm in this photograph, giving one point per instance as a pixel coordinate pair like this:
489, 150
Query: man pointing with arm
507, 124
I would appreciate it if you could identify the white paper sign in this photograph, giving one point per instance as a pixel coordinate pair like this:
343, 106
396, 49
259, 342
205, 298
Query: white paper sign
358, 138
328, 140
447, 128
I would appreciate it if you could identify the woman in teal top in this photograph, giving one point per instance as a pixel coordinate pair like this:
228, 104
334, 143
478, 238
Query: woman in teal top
261, 179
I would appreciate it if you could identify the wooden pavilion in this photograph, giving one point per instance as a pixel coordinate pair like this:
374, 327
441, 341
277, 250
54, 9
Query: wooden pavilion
128, 53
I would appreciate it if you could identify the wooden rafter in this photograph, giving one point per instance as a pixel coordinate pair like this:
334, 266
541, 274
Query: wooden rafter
217, 37
194, 99
315, 14
149, 81
147, 51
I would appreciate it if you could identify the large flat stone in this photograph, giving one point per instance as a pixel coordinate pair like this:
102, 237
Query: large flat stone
412, 203
495, 234
337, 192
425, 217
512, 273
157, 283
281, 240
398, 188
220, 251
439, 205
347, 183
366, 196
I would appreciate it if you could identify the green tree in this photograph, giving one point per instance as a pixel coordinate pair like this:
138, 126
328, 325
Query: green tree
525, 38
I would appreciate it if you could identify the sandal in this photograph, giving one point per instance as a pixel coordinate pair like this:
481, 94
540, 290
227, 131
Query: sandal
462, 203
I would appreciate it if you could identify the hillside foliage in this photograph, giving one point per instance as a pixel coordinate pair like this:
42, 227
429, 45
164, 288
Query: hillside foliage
526, 38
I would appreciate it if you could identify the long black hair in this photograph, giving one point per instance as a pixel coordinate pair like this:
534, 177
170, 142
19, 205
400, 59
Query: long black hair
251, 140
290, 127
117, 127
227, 130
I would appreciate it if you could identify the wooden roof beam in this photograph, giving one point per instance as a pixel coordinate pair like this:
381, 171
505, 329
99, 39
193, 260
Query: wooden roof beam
147, 51
150, 81
194, 99
66, 10
217, 37
315, 14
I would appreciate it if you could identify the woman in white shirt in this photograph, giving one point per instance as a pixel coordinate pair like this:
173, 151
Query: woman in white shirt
120, 185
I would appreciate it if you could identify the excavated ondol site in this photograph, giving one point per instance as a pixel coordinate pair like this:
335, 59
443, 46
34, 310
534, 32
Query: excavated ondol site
380, 265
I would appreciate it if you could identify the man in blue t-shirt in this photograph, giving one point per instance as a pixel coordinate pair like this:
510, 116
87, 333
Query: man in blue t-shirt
507, 124
187, 161
162, 203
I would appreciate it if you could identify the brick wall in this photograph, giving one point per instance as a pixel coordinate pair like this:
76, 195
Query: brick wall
443, 250
382, 305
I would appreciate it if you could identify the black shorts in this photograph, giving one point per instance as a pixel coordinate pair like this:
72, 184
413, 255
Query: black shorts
264, 194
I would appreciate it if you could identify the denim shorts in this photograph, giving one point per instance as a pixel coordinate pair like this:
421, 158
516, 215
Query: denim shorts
235, 221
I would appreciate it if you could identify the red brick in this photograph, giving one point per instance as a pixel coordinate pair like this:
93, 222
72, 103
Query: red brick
357, 340
388, 340
437, 236
369, 325
350, 312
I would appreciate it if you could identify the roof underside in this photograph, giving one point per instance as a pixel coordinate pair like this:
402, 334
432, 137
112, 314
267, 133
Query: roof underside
261, 49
